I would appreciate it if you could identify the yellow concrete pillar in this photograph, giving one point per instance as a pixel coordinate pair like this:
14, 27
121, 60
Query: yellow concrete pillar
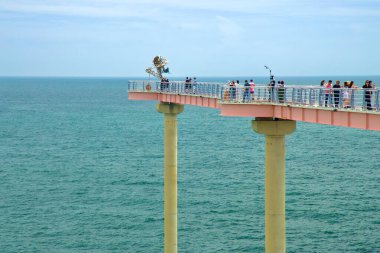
275, 228
170, 111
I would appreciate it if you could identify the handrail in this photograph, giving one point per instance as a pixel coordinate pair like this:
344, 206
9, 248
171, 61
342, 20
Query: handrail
357, 99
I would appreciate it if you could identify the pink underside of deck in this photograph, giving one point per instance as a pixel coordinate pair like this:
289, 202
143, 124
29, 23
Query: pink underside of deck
175, 98
361, 120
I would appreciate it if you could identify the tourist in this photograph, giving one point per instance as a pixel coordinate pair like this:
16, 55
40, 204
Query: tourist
322, 87
346, 95
328, 87
167, 84
232, 90
246, 91
346, 83
281, 91
352, 90
187, 85
272, 86
237, 91
337, 90
367, 94
163, 84
226, 95
252, 89
195, 85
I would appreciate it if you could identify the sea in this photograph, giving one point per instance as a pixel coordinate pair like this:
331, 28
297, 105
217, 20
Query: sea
81, 170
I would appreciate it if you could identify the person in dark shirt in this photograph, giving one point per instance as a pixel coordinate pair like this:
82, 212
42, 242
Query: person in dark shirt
187, 86
281, 91
272, 85
368, 94
246, 92
337, 92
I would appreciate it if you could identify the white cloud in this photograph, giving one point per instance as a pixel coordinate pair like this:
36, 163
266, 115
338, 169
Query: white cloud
151, 9
213, 30
99, 9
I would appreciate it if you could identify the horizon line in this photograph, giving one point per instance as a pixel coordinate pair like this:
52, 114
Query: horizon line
178, 76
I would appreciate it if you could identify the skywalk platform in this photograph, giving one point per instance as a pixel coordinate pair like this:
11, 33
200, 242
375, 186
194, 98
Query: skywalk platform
299, 103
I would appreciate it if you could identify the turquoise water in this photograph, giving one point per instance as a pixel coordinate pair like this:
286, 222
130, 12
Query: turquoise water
81, 170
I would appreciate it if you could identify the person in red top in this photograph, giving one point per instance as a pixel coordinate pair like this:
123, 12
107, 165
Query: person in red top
252, 89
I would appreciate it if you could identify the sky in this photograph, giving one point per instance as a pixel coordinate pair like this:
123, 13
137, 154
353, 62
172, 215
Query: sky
198, 37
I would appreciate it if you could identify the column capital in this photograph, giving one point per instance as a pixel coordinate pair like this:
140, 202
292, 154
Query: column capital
172, 108
273, 127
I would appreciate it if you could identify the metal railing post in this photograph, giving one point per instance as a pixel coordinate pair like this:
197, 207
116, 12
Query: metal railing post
293, 95
310, 99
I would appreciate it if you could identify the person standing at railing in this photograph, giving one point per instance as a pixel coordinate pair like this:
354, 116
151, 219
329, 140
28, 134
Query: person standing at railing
281, 91
252, 89
166, 84
187, 85
195, 85
352, 92
237, 91
328, 87
232, 91
162, 85
271, 88
246, 92
321, 92
368, 94
346, 95
226, 93
337, 91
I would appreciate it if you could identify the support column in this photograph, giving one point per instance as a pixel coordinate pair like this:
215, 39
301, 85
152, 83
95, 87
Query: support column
171, 112
274, 131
